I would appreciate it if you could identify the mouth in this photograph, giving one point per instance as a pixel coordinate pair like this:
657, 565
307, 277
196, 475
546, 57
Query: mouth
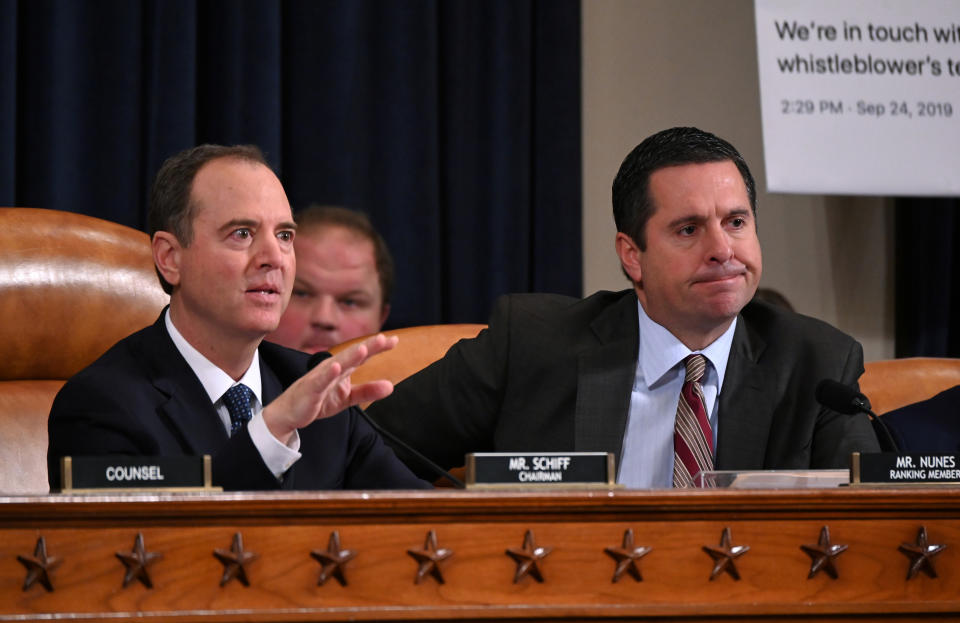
264, 292
720, 279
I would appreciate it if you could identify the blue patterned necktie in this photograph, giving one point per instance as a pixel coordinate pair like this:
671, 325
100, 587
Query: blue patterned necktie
237, 399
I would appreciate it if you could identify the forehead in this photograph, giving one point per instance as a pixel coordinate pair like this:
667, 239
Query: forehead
701, 185
332, 257
335, 245
233, 188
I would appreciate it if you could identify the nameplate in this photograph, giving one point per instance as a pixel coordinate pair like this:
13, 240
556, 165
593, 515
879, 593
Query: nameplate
889, 468
136, 473
540, 469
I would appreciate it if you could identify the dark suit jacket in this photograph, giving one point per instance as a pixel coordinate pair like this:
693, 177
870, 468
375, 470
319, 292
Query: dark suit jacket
931, 426
552, 373
142, 398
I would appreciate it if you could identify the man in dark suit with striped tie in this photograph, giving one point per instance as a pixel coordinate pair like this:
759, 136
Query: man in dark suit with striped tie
680, 373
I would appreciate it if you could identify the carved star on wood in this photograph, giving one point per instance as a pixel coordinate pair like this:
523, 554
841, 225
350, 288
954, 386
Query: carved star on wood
823, 555
234, 561
39, 566
137, 561
429, 558
725, 555
921, 555
528, 558
333, 560
627, 556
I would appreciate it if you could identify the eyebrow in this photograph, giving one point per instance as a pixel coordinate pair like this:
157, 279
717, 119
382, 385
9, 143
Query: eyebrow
739, 212
238, 222
689, 218
246, 222
696, 218
356, 292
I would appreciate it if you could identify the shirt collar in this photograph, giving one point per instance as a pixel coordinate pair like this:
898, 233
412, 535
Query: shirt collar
214, 380
660, 350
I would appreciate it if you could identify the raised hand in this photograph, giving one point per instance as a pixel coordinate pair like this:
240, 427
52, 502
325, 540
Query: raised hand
326, 390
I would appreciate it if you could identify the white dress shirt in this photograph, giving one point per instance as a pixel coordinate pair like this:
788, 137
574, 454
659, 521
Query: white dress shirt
647, 454
278, 457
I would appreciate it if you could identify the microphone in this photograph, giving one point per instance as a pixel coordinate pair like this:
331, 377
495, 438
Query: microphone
316, 358
845, 399
842, 398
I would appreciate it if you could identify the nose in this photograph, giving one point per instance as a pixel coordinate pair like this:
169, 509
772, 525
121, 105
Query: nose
324, 313
719, 245
269, 252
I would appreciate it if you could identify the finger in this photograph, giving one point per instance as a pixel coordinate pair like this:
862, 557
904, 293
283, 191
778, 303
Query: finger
375, 345
368, 392
380, 343
325, 374
357, 354
353, 356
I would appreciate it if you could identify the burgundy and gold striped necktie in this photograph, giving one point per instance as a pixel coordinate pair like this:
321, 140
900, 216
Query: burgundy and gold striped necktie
692, 435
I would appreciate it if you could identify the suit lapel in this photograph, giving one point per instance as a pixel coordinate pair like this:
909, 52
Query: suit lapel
271, 385
745, 411
187, 408
605, 377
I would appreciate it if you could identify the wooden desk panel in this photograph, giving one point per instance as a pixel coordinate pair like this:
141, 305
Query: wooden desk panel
86, 532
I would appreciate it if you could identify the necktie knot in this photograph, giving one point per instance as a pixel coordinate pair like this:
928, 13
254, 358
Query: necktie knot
237, 401
696, 365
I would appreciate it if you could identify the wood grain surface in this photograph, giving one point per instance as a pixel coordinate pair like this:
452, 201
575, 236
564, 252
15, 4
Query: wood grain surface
86, 532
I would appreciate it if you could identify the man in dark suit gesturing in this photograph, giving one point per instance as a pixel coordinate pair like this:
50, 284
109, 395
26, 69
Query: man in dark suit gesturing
199, 381
674, 376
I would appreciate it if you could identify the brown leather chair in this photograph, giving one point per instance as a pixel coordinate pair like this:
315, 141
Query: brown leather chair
894, 383
418, 347
70, 286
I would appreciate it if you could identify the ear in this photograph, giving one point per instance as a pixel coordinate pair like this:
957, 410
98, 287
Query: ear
166, 256
383, 315
629, 254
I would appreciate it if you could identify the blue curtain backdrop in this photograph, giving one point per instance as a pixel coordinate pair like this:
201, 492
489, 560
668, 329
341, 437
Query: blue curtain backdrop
454, 124
927, 264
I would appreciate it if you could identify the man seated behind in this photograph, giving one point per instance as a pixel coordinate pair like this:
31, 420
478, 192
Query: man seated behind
343, 284
199, 380
674, 376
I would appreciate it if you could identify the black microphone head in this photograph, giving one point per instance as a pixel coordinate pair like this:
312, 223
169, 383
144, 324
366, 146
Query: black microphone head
842, 398
316, 358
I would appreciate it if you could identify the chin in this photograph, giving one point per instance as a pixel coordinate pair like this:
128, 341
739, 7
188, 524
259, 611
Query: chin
725, 311
263, 325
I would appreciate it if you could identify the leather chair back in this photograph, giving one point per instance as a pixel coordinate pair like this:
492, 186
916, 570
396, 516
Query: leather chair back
70, 287
894, 383
418, 347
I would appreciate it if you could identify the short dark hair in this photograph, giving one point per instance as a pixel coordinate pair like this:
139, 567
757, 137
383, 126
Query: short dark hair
170, 208
317, 216
632, 207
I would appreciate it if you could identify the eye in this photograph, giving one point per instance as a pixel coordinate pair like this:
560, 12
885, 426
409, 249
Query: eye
299, 293
349, 302
242, 233
688, 230
285, 236
738, 222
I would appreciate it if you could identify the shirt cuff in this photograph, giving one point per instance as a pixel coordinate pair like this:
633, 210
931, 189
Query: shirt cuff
278, 457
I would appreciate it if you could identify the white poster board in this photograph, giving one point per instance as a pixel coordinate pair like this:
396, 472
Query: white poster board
860, 96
